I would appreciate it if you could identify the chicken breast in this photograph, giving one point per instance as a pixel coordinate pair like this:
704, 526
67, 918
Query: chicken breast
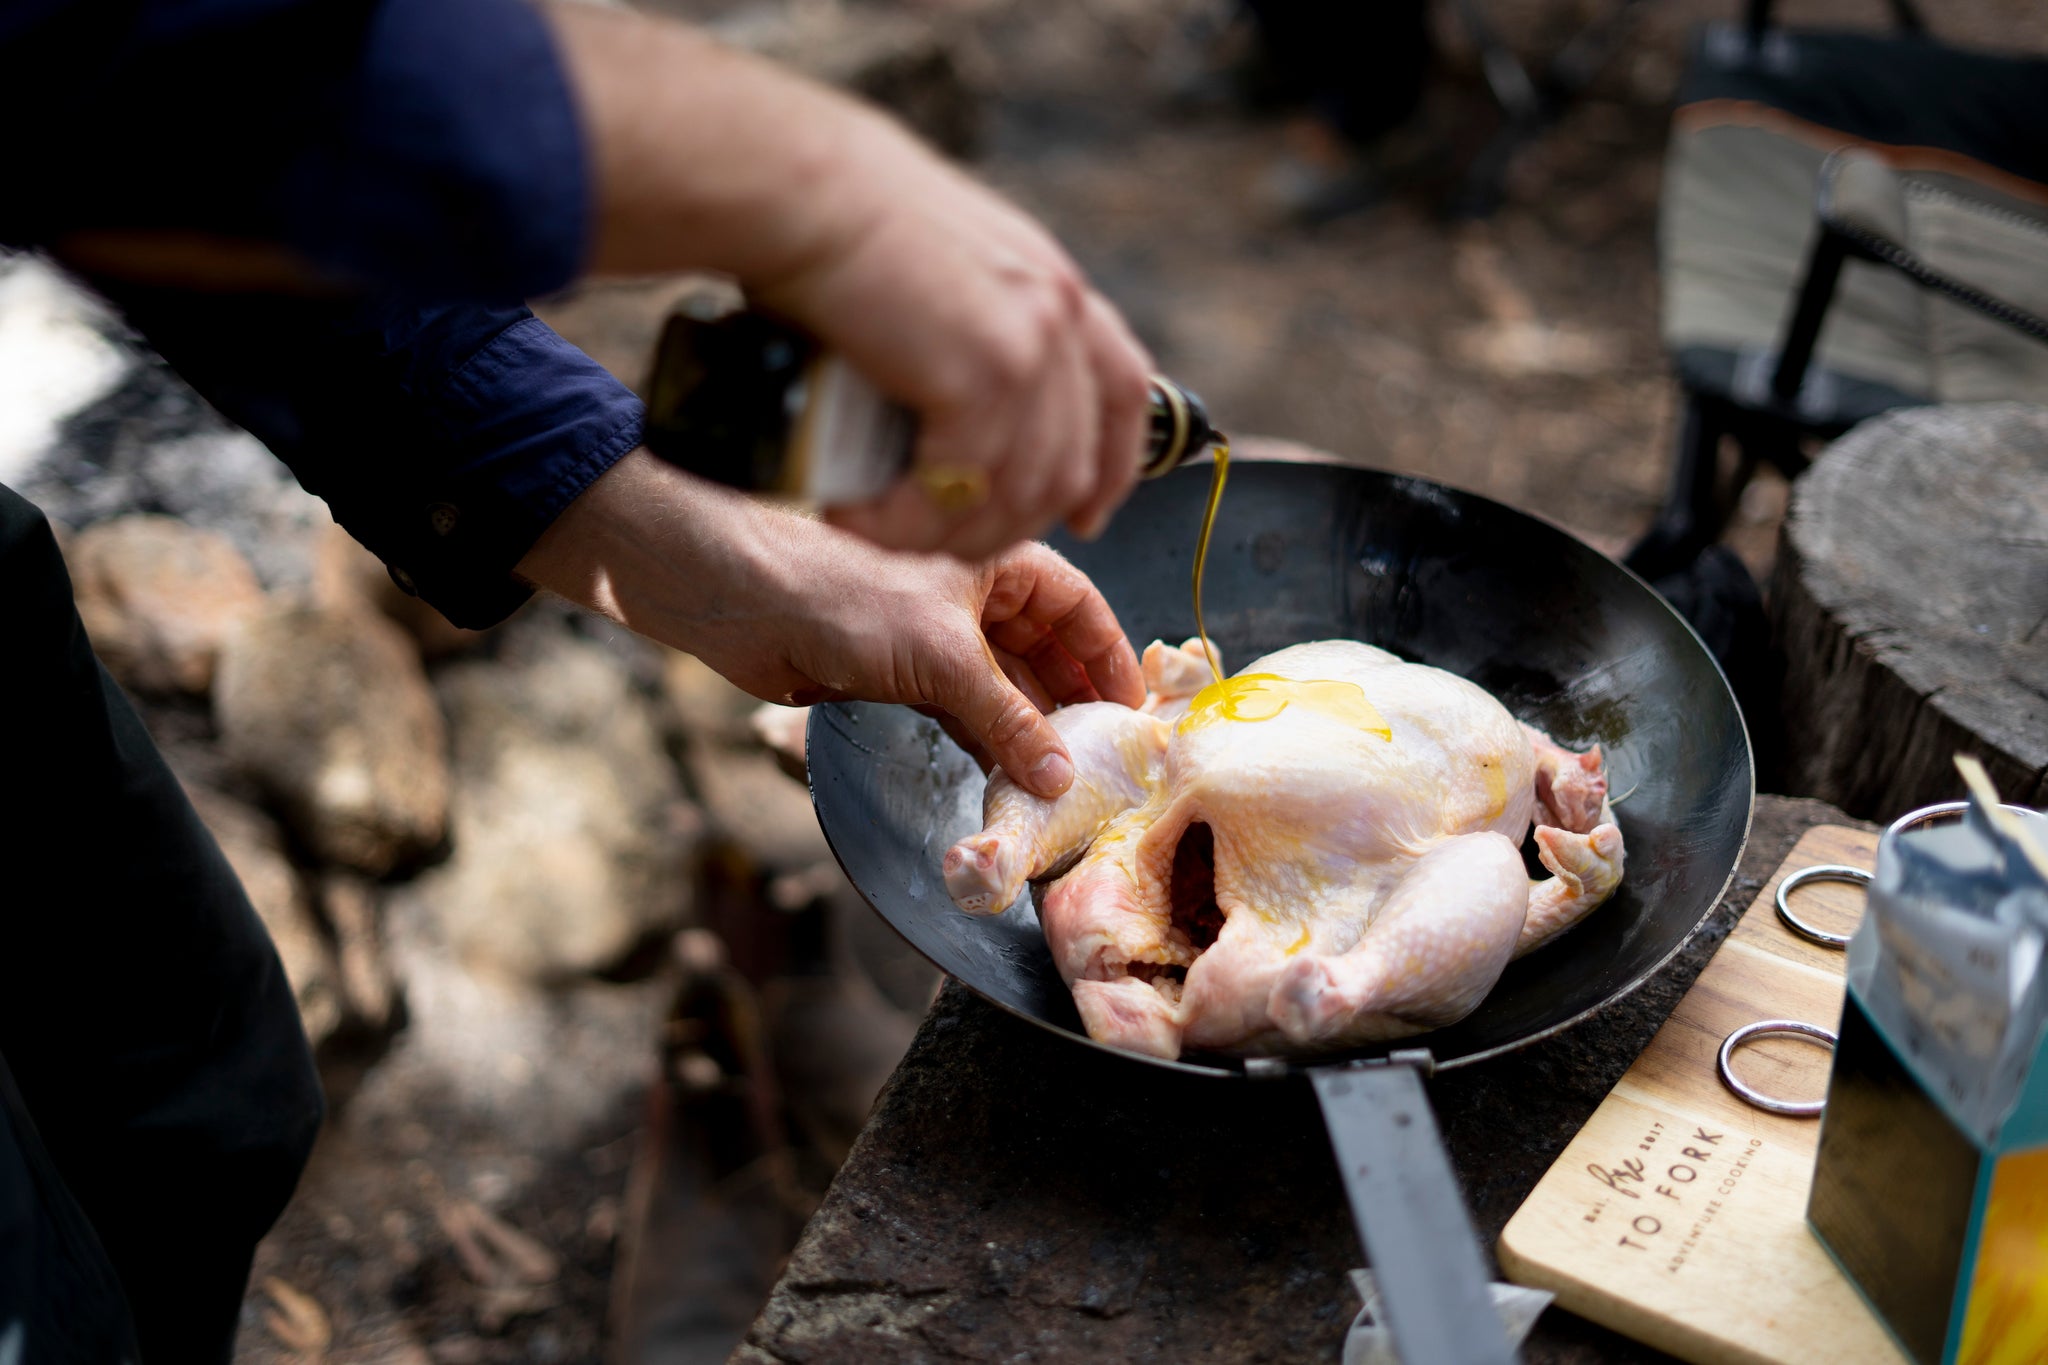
1319, 852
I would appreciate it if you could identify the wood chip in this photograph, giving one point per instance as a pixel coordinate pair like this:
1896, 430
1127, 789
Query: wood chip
492, 1251
298, 1321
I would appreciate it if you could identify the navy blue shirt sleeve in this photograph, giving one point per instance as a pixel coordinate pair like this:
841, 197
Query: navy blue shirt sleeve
445, 437
412, 149
432, 144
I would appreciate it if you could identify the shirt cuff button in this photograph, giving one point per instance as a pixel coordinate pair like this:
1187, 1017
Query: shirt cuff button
443, 516
403, 580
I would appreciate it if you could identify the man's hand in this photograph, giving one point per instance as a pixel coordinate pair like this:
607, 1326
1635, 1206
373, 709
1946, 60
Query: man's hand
796, 611
946, 297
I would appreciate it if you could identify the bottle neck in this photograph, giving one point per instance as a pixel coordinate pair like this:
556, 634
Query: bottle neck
1179, 428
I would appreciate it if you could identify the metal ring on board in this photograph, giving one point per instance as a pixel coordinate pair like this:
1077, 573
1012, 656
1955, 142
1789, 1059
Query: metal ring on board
1823, 872
1749, 1094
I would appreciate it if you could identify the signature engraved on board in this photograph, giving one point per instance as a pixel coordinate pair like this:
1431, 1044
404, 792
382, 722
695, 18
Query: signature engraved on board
1695, 1172
1618, 1178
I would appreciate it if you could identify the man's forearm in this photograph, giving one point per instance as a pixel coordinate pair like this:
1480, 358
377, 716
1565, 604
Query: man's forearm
794, 610
704, 157
945, 296
681, 561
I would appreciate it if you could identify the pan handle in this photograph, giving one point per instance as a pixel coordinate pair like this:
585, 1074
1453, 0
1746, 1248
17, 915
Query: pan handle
1411, 1216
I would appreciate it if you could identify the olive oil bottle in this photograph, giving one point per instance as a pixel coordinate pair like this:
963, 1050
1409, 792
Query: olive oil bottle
746, 400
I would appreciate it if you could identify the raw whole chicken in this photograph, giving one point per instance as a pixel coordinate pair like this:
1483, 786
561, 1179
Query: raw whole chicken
1319, 852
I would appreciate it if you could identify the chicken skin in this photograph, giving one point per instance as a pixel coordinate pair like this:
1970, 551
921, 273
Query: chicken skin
1322, 851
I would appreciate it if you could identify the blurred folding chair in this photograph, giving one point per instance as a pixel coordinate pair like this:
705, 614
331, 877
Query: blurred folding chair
1850, 223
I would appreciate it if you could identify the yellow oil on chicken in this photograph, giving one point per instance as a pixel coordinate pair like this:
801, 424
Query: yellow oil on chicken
1263, 696
2007, 1320
1496, 787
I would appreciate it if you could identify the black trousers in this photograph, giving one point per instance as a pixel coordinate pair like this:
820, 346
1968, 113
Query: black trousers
157, 1096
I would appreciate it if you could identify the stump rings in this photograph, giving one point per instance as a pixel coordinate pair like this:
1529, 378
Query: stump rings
1823, 872
1749, 1094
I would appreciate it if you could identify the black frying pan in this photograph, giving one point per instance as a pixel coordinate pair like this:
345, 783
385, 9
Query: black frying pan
1565, 637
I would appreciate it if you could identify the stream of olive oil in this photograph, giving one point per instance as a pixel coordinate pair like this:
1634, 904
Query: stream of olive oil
1217, 476
1262, 696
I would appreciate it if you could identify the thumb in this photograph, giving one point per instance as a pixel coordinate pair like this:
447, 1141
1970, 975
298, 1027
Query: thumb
1012, 730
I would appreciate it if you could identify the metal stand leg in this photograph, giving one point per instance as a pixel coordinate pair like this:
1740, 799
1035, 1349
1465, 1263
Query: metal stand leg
1411, 1216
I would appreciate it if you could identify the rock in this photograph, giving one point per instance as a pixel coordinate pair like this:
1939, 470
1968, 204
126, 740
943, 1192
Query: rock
703, 707
152, 444
255, 850
572, 838
782, 729
331, 713
347, 577
59, 353
159, 598
94, 425
835, 1041
61, 532
756, 807
351, 904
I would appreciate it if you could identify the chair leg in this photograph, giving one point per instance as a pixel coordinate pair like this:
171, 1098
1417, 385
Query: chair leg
1823, 269
1690, 519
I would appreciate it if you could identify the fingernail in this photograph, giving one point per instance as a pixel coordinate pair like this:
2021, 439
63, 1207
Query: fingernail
1052, 774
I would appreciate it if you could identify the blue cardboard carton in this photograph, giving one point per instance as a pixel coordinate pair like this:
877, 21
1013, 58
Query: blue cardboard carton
1931, 1183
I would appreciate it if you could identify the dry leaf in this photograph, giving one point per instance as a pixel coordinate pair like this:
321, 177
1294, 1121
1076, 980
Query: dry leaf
493, 1251
298, 1321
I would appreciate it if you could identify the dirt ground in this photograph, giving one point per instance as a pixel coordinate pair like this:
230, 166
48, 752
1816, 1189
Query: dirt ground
1517, 356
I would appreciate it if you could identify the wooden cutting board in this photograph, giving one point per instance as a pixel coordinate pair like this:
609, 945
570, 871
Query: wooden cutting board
1677, 1216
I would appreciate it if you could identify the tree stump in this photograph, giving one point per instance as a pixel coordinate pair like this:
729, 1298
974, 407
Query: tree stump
1911, 602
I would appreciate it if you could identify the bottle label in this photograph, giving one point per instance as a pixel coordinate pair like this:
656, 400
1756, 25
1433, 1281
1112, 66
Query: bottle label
850, 443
